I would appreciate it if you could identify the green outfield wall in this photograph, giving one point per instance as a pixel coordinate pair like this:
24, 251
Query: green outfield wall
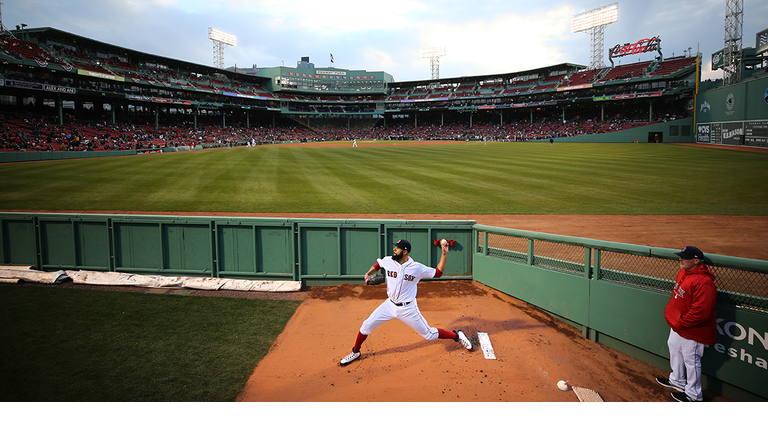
314, 251
614, 293
673, 131
7, 157
734, 115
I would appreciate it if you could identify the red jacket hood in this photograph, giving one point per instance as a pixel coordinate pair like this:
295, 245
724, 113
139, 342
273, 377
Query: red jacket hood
701, 270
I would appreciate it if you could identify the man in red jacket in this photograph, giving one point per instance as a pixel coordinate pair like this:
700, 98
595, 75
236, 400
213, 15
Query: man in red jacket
691, 315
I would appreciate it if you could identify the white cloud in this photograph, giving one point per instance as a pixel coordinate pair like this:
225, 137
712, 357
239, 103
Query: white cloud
505, 43
493, 36
343, 16
378, 60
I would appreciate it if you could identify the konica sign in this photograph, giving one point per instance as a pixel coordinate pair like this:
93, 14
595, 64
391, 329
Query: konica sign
740, 354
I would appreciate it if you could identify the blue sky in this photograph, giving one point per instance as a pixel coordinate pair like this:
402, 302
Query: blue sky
493, 36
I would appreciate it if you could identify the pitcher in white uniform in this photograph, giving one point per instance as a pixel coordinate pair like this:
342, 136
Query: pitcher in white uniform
403, 275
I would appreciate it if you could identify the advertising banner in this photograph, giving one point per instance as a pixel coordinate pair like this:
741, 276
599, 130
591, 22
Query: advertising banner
703, 134
99, 75
761, 41
740, 354
718, 60
732, 133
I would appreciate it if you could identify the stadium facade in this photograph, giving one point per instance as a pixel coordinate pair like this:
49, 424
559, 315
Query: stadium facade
52, 73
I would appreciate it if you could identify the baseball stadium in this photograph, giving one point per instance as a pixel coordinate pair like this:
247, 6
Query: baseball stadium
172, 231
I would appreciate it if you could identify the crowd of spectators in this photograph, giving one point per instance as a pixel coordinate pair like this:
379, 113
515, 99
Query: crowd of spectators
26, 133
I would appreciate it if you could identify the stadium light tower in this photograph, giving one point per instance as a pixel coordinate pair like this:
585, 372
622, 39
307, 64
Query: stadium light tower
220, 39
594, 22
3, 30
434, 54
734, 26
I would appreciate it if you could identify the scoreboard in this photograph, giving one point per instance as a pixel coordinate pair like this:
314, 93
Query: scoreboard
750, 132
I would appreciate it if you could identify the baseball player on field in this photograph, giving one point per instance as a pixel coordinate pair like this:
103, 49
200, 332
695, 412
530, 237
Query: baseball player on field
403, 275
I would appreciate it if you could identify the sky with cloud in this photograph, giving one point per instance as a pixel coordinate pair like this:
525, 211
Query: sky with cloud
480, 38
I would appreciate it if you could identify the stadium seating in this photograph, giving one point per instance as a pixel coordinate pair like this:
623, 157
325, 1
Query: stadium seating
626, 72
582, 77
672, 65
26, 50
20, 132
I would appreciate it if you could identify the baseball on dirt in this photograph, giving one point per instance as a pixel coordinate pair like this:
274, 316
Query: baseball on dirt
563, 385
443, 242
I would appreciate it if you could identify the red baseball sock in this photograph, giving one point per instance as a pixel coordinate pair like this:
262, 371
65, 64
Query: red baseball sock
445, 334
359, 342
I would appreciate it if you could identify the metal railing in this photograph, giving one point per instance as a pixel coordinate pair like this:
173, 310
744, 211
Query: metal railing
740, 282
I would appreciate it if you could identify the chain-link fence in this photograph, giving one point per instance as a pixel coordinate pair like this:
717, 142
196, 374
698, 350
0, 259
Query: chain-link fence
740, 287
637, 270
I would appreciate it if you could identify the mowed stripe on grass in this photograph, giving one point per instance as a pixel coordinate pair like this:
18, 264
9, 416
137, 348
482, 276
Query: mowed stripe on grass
503, 178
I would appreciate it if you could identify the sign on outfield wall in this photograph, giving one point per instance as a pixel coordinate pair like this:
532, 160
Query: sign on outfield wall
740, 354
751, 133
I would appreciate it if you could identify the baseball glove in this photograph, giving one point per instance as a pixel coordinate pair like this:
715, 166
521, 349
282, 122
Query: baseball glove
376, 279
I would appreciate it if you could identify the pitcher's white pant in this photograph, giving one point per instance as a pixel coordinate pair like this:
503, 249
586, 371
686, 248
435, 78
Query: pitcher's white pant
685, 361
410, 315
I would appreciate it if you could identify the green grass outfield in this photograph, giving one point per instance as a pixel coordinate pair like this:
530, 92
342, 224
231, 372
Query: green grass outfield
83, 345
72, 345
498, 178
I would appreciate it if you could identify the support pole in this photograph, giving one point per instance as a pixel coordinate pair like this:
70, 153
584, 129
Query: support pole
650, 111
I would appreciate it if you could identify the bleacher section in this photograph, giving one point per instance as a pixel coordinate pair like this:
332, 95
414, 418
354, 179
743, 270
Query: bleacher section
490, 90
582, 77
626, 72
148, 79
26, 50
673, 65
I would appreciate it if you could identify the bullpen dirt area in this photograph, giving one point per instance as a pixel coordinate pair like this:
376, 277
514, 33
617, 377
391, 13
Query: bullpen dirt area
532, 353
533, 350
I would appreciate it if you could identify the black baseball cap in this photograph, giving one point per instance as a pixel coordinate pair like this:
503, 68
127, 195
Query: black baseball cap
403, 244
690, 252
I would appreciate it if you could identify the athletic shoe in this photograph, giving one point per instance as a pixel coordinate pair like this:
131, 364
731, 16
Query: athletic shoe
461, 337
682, 397
667, 383
354, 355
